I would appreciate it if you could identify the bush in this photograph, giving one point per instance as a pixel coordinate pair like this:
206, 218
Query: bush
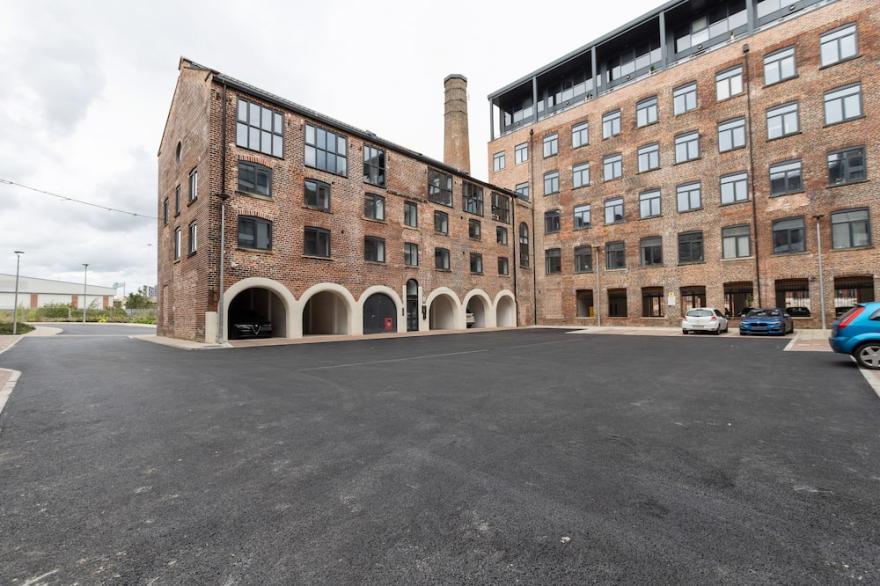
144, 318
6, 328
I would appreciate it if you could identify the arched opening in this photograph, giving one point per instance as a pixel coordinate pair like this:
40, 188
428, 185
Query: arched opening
475, 316
325, 314
442, 313
380, 314
257, 313
412, 305
505, 313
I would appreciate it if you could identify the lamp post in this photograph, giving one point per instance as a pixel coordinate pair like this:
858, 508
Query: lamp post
18, 254
85, 290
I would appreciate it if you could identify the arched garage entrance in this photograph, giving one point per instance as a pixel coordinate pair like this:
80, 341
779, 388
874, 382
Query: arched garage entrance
380, 314
442, 313
256, 313
476, 312
505, 312
326, 313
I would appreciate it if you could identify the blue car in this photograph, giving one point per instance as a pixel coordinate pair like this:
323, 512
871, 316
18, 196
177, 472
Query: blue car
857, 333
767, 320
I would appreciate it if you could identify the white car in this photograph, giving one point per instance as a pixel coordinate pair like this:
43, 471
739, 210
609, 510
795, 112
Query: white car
704, 319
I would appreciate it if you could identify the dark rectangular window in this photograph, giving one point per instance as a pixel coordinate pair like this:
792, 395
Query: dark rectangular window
584, 299
259, 129
732, 135
410, 254
692, 298
326, 150
690, 247
617, 303
850, 229
651, 251
474, 230
193, 238
615, 256
374, 166
684, 98
647, 112
614, 211
193, 185
500, 235
551, 144
374, 207
522, 190
839, 45
847, 166
410, 214
254, 233
551, 221
472, 198
440, 188
611, 124
524, 245
374, 249
476, 264
652, 302
650, 204
783, 120
649, 157
581, 217
788, 236
779, 66
317, 194
441, 259
551, 182
553, 261
786, 178
441, 223
735, 242
583, 259
791, 293
254, 178
580, 135
316, 242
165, 211
503, 266
734, 188
500, 208
177, 200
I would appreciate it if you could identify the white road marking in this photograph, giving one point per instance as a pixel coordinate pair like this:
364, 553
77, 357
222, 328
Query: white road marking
6, 389
36, 579
873, 378
406, 358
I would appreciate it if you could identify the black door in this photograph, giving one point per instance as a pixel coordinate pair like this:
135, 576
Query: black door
412, 305
380, 314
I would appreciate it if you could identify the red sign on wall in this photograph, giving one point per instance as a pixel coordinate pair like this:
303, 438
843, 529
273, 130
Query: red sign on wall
389, 324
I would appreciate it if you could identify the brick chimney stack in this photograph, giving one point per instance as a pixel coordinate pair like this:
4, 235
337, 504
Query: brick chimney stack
456, 145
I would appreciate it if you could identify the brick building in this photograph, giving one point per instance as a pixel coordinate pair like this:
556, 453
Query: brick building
696, 156
329, 229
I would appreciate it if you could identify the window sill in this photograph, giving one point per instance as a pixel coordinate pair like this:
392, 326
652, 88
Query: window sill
314, 209
254, 250
852, 248
848, 183
692, 263
176, 260
582, 228
733, 150
772, 195
648, 125
675, 164
728, 98
380, 263
477, 274
375, 186
552, 194
775, 83
612, 179
733, 203
191, 201
784, 254
618, 270
789, 135
551, 156
583, 272
441, 233
653, 266
313, 257
254, 195
474, 239
737, 258
853, 119
442, 270
411, 266
651, 217
413, 228
315, 168
374, 220
646, 171
847, 60
191, 254
700, 209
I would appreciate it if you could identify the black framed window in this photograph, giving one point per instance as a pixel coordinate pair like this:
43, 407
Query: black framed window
254, 178
839, 45
786, 178
650, 204
732, 135
736, 242
612, 167
441, 259
500, 235
611, 124
374, 249
583, 259
316, 194
326, 150
498, 161
551, 221
847, 166
652, 302
789, 236
503, 266
614, 211
254, 233
178, 243
843, 104
651, 251
524, 245
472, 198
582, 217
177, 200
500, 207
522, 190
551, 182
165, 211
316, 242
193, 185
411, 214
690, 247
779, 66
649, 157
617, 303
259, 129
374, 207
729, 83
850, 229
374, 166
687, 147
584, 299
615, 255
647, 112
684, 98
553, 261
580, 135
410, 254
441, 223
734, 188
440, 188
783, 120
476, 264
580, 175
521, 153
474, 229
193, 238
551, 145
689, 196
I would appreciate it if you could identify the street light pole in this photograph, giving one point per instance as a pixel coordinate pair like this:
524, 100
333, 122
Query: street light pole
85, 290
821, 268
18, 254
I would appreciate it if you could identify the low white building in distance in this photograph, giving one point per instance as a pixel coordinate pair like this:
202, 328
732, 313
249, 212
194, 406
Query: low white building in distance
33, 292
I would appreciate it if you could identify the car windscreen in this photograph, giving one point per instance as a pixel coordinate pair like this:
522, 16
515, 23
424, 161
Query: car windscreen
765, 313
700, 313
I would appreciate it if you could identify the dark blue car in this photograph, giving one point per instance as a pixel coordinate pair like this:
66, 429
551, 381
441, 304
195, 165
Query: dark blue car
768, 320
857, 333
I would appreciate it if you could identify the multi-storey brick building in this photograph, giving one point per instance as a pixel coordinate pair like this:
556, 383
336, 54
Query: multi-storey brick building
698, 156
326, 228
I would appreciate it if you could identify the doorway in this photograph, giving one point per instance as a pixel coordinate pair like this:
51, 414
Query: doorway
412, 305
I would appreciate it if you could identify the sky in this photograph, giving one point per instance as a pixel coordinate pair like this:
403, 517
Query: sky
87, 85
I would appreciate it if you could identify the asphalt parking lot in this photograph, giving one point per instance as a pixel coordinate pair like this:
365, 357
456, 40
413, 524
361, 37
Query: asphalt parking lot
529, 456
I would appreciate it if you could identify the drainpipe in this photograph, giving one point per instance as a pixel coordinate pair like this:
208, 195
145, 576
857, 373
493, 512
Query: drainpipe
514, 235
598, 296
818, 219
223, 198
748, 77
534, 238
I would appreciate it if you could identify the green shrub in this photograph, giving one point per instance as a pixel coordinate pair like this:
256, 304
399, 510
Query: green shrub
6, 328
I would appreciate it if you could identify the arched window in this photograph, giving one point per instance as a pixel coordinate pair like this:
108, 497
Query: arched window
524, 245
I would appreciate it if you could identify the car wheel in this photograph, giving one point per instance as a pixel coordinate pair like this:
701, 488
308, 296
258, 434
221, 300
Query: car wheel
868, 355
684, 332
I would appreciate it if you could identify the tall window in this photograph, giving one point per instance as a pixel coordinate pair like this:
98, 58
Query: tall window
374, 207
617, 303
551, 221
177, 200
441, 259
254, 233
585, 306
614, 211
522, 191
651, 251
411, 214
440, 188
839, 45
793, 293
611, 124
843, 104
649, 204
786, 178
652, 302
441, 223
687, 147
684, 98
690, 247
729, 83
316, 242
500, 207
165, 211
476, 263
178, 243
498, 161
474, 229
551, 144
689, 197
500, 235
732, 135
193, 185
317, 194
649, 157
779, 66
472, 198
503, 266
847, 166
612, 167
788, 236
410, 254
553, 261
734, 188
193, 238
524, 245
646, 112
254, 178
551, 182
735, 242
783, 120
374, 166
850, 229
374, 249
615, 255
521, 153
581, 217
580, 175
580, 135
259, 129
583, 259
326, 151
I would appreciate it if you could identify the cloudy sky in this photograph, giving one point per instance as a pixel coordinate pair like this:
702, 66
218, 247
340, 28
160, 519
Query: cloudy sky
87, 85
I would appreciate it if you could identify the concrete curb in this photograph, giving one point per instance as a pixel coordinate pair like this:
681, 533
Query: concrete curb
179, 344
88, 323
44, 331
6, 389
13, 342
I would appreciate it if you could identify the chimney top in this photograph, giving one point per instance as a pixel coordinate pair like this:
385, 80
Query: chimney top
454, 76
456, 150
